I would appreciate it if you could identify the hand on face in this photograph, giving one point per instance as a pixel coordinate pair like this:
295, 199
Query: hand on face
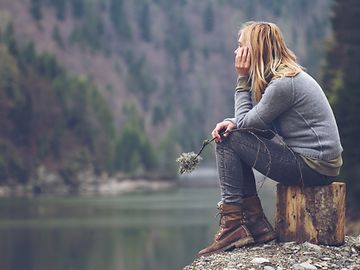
242, 60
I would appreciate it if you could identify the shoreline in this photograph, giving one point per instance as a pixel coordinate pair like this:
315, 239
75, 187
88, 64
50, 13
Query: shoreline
111, 187
87, 182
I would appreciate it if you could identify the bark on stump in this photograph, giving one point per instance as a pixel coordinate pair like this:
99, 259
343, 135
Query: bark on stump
313, 214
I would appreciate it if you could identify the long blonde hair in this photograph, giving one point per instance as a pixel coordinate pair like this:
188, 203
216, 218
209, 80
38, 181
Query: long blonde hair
270, 57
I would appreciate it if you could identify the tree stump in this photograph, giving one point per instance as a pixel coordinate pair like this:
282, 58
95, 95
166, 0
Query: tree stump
313, 214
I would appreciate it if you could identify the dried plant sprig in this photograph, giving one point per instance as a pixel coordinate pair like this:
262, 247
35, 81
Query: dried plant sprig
188, 162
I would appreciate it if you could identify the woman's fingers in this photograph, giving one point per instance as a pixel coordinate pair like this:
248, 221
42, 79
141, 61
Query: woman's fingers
238, 56
242, 61
247, 61
229, 127
215, 133
244, 55
225, 125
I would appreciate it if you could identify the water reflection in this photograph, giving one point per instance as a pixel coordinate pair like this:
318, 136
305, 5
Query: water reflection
131, 232
139, 231
147, 248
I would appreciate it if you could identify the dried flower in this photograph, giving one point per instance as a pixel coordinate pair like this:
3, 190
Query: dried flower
188, 162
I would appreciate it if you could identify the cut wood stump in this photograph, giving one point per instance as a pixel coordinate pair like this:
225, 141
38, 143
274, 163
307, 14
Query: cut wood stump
313, 214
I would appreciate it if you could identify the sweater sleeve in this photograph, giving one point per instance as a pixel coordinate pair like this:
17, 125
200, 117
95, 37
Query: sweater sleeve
277, 98
242, 84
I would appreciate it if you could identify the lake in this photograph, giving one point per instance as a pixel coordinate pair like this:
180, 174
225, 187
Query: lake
139, 231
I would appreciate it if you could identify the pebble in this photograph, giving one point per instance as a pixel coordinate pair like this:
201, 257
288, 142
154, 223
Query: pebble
304, 266
288, 244
259, 260
322, 265
312, 246
269, 268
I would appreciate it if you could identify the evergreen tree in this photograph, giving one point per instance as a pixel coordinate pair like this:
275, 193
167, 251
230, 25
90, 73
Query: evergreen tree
144, 21
56, 35
342, 83
60, 7
35, 9
119, 18
209, 18
78, 8
133, 150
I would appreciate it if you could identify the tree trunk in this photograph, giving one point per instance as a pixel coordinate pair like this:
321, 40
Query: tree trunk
313, 214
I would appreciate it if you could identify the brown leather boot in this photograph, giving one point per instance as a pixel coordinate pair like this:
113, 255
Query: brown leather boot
260, 228
232, 232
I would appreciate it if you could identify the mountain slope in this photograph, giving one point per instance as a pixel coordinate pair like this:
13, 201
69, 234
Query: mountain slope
170, 62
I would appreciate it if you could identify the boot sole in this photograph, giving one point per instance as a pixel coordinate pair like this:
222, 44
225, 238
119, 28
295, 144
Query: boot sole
243, 242
267, 237
240, 243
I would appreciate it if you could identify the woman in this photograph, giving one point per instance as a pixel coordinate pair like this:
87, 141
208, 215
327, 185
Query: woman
275, 96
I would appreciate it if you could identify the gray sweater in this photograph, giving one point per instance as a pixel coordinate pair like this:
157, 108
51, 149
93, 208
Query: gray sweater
297, 109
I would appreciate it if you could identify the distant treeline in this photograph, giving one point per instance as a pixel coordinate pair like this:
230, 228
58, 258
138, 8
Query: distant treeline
51, 118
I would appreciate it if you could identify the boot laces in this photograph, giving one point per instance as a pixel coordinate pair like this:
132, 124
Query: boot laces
224, 216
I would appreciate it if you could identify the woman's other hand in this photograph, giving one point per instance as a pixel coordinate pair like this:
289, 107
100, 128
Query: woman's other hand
242, 60
223, 126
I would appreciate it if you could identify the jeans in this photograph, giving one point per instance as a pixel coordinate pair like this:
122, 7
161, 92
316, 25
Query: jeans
243, 150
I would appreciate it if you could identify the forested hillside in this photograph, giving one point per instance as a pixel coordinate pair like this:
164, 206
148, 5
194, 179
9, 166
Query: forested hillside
113, 80
49, 119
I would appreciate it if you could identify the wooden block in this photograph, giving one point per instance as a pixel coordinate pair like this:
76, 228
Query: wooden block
313, 214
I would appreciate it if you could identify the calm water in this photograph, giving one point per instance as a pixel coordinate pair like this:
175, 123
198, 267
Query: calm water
147, 231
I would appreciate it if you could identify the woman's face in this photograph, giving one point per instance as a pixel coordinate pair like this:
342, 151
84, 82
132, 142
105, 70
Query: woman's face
240, 43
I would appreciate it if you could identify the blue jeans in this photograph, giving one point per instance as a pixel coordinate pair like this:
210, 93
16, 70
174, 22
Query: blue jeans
243, 150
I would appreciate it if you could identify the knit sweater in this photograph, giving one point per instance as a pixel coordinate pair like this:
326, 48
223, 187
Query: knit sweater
297, 109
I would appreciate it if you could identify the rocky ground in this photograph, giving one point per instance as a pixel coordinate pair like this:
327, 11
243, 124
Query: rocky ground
285, 256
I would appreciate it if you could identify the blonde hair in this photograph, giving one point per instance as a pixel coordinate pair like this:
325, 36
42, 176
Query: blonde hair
270, 57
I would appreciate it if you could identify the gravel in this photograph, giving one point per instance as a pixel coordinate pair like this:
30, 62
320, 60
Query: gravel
285, 256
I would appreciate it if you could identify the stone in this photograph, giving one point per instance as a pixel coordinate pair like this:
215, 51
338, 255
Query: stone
288, 244
259, 261
269, 268
304, 266
312, 246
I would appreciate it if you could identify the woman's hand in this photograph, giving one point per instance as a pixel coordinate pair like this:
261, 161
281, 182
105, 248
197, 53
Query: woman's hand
242, 61
220, 127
